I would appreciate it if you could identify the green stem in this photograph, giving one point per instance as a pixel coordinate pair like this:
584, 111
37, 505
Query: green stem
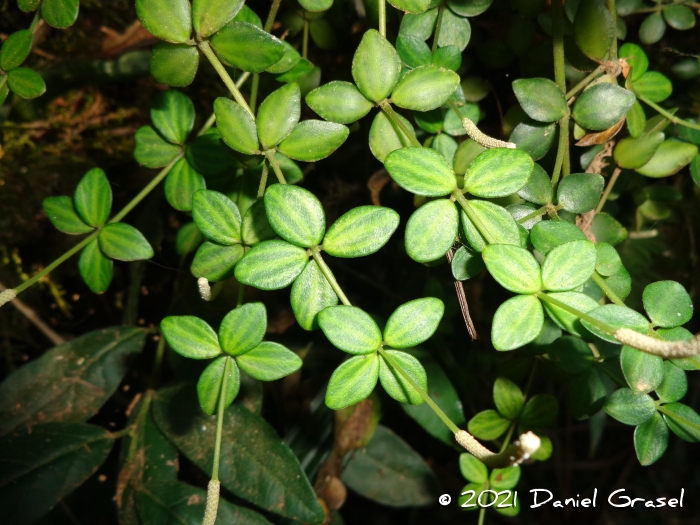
389, 111
212, 118
305, 41
608, 189
668, 115
590, 78
606, 289
225, 77
562, 163
271, 15
612, 54
316, 254
464, 203
263, 180
578, 313
382, 17
158, 362
275, 166
438, 411
220, 413
678, 418
254, 92
3, 81
482, 516
438, 26
534, 214
138, 424
241, 295
35, 21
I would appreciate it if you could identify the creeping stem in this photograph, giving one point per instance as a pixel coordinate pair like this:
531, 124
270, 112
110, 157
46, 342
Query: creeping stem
668, 115
270, 155
328, 274
225, 77
562, 162
381, 8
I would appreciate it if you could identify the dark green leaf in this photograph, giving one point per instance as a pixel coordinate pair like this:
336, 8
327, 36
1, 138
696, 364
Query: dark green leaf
517, 322
670, 157
243, 328
617, 317
414, 52
629, 407
188, 239
419, 25
290, 59
675, 384
271, 265
190, 337
594, 28
152, 150
60, 13
654, 86
394, 382
211, 383
215, 262
181, 184
166, 19
505, 479
256, 227
540, 411
269, 361
339, 101
602, 105
454, 31
95, 268
652, 29
295, 214
376, 66
413, 322
508, 398
422, 171
498, 172
667, 303
208, 16
385, 136
274, 479
679, 16
547, 235
538, 188
425, 88
571, 354
26, 83
651, 440
431, 230
56, 459
448, 57
411, 6
28, 5
466, 264
301, 69
580, 192
63, 215
636, 119
488, 424
643, 372
278, 114
124, 242
514, 268
174, 64
70, 382
310, 294
607, 229
352, 381
247, 47
683, 421
236, 125
361, 231
566, 320
568, 266
316, 5
93, 197
350, 329
541, 99
495, 220
217, 217
15, 49
173, 115
533, 137
587, 394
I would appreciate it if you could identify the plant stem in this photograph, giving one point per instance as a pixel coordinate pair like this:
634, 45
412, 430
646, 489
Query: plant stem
225, 77
389, 111
263, 179
157, 362
606, 289
305, 41
668, 115
316, 254
35, 21
578, 87
220, 413
608, 189
275, 166
438, 411
212, 118
678, 418
612, 54
562, 163
271, 15
482, 515
381, 7
464, 203
254, 92
536, 213
578, 313
241, 294
138, 424
438, 26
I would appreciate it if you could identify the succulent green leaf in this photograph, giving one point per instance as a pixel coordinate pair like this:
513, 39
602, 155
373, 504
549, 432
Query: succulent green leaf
651, 439
271, 265
295, 214
60, 13
236, 125
243, 328
431, 230
174, 64
448, 57
547, 235
173, 115
517, 322
454, 30
425, 88
617, 317
683, 421
569, 265
350, 329
571, 354
505, 479
190, 337
63, 215
290, 59
636, 58
670, 157
633, 153
211, 382
28, 6
152, 150
566, 320
667, 303
393, 381
316, 6
26, 83
488, 424
607, 229
495, 219
376, 66
422, 171
580, 192
352, 381
217, 217
15, 49
602, 105
339, 101
208, 16
587, 394
95, 268
540, 411
541, 99
514, 268
361, 231
215, 262
508, 397
278, 114
594, 28
466, 264
472, 469
168, 20
419, 25
538, 188
675, 383
679, 16
269, 361
498, 172
181, 184
311, 293
630, 408
636, 119
124, 242
411, 6
643, 372
414, 52
247, 47
654, 86
385, 136
256, 227
313, 140
188, 238
413, 322
93, 197
302, 68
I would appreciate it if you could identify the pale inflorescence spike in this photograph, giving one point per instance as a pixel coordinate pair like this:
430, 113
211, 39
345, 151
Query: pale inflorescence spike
515, 454
483, 139
651, 345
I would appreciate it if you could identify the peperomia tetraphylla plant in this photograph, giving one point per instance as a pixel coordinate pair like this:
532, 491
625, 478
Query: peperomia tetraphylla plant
546, 235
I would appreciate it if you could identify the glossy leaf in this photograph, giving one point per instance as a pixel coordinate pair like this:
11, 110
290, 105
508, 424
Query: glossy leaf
536, 138
271, 265
425, 88
295, 214
361, 231
514, 268
608, 229
350, 329
376, 66
517, 322
278, 114
269, 361
541, 99
95, 268
654, 86
15, 49
636, 59
498, 172
247, 47
617, 317
339, 101
568, 266
508, 398
566, 320
422, 171
667, 303
670, 157
190, 337
488, 424
313, 140
26, 83
168, 20
472, 469
394, 382
580, 192
352, 381
290, 59
385, 136
413, 322
651, 439
454, 31
602, 105
243, 328
215, 262
208, 16
674, 385
70, 382
174, 64
63, 215
60, 13
633, 153
217, 217
594, 28
93, 197
431, 230
411, 6
629, 407
236, 125
643, 372
679, 17
310, 294
211, 382
152, 150
466, 264
124, 242
540, 411
419, 25
414, 52
181, 183
683, 421
571, 354
173, 115
495, 219
547, 235
538, 188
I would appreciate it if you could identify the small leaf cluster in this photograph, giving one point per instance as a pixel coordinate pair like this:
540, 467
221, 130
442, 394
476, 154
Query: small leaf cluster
479, 478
